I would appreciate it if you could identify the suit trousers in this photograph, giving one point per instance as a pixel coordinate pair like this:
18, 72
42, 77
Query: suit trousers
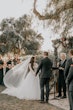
61, 84
70, 96
44, 82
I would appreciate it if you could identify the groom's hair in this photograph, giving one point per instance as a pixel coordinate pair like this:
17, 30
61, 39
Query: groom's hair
46, 53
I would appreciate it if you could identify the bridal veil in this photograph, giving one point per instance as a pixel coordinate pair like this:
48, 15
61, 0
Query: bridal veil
14, 77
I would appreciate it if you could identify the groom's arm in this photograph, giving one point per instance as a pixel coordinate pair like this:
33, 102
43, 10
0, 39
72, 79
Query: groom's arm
39, 67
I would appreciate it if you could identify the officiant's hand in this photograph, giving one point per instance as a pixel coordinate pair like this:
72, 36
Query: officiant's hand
60, 68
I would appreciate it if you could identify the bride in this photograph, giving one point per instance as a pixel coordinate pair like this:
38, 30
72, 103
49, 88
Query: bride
21, 81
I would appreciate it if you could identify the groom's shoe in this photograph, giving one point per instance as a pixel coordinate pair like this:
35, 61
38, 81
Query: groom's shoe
42, 101
47, 101
63, 97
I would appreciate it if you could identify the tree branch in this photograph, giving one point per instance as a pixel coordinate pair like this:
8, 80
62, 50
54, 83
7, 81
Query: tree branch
59, 9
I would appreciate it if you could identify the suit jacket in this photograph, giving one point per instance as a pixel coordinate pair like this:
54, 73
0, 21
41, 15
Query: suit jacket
61, 72
63, 64
45, 66
69, 74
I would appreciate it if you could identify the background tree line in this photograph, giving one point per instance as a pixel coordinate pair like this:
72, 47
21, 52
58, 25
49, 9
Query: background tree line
17, 36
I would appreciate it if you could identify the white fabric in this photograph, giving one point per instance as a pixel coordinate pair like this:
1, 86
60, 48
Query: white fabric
21, 83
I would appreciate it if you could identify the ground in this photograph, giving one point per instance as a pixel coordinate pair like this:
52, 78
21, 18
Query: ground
12, 103
61, 103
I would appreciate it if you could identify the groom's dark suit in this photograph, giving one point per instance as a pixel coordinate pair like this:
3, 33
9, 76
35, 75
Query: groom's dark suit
45, 66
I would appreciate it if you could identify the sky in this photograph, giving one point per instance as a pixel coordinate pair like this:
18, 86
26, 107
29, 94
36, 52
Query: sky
17, 8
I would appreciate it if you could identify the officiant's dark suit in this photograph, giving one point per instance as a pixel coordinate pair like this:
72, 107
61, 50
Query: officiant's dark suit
45, 66
69, 80
61, 79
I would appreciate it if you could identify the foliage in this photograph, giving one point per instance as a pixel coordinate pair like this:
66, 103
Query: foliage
59, 14
17, 35
67, 43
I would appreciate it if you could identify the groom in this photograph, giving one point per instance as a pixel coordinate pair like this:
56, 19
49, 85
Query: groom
45, 66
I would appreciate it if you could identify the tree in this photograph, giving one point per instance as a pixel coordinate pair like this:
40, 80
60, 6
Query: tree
60, 7
10, 40
17, 35
64, 43
61, 17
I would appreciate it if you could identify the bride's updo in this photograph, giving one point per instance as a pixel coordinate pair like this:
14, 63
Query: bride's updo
32, 62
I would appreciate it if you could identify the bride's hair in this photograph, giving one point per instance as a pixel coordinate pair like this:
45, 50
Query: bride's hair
32, 62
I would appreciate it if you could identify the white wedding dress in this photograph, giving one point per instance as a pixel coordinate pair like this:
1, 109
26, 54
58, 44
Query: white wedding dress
21, 83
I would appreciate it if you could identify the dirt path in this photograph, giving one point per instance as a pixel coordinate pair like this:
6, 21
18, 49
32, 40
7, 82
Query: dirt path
61, 103
12, 103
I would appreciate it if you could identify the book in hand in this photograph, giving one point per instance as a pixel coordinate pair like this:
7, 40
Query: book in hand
55, 68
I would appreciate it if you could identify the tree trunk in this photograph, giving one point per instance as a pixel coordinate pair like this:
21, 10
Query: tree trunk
59, 8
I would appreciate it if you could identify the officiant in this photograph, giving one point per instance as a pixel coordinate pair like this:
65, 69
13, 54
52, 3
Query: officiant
61, 78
